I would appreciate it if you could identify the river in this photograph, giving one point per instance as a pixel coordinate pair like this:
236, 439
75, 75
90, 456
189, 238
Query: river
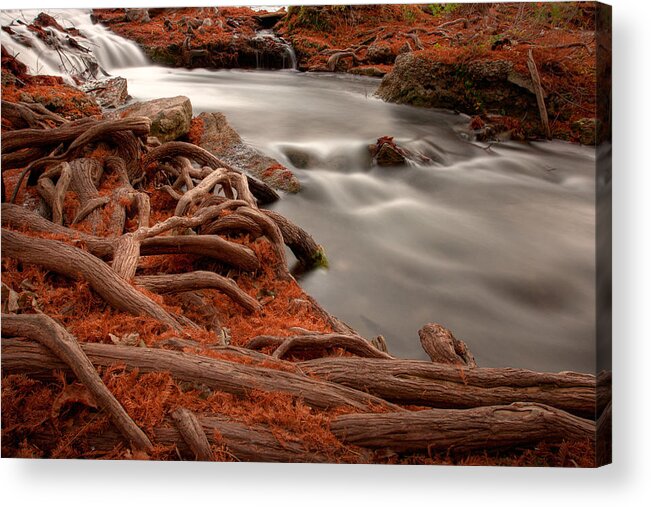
497, 243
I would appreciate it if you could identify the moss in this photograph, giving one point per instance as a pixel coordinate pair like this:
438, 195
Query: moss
319, 259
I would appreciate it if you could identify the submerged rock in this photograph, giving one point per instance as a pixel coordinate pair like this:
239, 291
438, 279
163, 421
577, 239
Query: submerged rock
214, 134
386, 152
170, 117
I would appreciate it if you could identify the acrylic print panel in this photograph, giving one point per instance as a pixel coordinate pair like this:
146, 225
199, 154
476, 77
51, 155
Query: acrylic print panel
339, 234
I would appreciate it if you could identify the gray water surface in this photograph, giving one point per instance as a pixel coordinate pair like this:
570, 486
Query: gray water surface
497, 244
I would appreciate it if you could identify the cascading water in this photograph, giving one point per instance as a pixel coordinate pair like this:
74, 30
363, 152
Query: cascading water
269, 41
100, 48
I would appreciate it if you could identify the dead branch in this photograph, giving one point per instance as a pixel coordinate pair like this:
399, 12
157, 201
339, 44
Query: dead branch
540, 94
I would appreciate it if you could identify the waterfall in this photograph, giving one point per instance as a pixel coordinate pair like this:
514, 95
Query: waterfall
101, 50
269, 40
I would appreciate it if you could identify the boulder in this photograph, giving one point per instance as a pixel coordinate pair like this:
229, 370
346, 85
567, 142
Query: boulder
218, 137
170, 117
111, 92
137, 15
380, 53
472, 88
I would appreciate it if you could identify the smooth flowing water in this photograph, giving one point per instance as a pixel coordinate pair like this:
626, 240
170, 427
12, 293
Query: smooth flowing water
497, 244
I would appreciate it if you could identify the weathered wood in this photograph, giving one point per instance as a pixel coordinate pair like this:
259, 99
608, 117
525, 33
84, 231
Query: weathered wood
65, 347
442, 347
196, 280
540, 94
490, 427
190, 429
20, 356
75, 263
448, 386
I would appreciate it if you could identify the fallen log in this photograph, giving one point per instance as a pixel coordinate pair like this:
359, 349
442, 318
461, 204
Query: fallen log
492, 427
20, 356
448, 386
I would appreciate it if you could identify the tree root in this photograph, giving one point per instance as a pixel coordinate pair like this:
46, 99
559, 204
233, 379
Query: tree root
75, 263
450, 386
311, 342
169, 284
263, 192
492, 427
20, 356
65, 347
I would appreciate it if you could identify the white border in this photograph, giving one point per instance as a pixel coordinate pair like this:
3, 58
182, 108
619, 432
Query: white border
28, 482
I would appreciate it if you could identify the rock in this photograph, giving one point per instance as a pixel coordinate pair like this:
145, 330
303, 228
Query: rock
219, 138
380, 53
405, 48
111, 92
478, 87
170, 117
368, 71
387, 153
137, 15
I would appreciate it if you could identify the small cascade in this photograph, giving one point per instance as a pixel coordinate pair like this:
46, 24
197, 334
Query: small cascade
273, 52
74, 46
